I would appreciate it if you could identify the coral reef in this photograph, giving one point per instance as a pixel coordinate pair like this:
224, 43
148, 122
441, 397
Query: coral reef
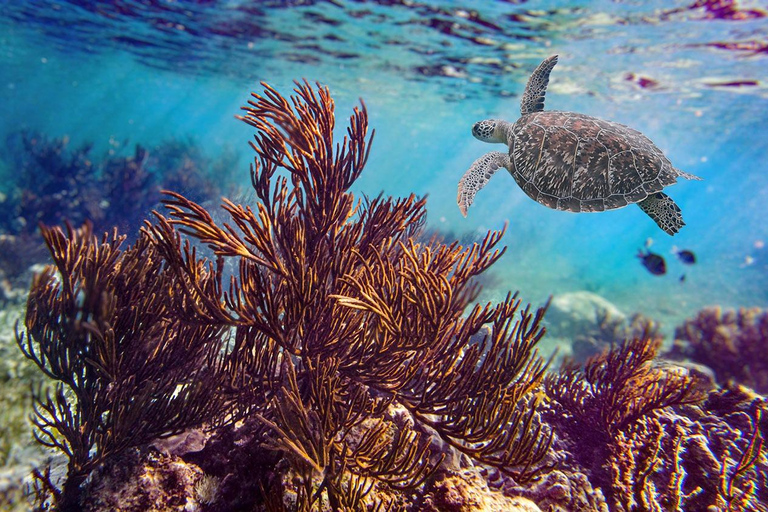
52, 183
318, 351
144, 482
617, 388
334, 314
732, 343
626, 422
102, 322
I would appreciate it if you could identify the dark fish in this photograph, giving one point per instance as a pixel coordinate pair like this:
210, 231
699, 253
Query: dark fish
682, 278
653, 262
686, 257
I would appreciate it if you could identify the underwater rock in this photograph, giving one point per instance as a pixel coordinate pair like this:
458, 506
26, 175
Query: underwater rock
572, 313
561, 491
18, 255
467, 491
142, 482
19, 452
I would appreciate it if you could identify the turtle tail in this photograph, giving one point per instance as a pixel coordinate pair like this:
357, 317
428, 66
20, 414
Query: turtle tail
688, 176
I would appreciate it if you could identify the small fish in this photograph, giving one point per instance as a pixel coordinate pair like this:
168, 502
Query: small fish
686, 256
653, 262
682, 278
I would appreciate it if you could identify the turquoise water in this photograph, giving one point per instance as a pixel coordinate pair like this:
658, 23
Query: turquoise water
693, 76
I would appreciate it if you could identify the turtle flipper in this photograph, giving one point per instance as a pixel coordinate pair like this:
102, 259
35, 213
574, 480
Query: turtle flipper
478, 176
533, 97
664, 212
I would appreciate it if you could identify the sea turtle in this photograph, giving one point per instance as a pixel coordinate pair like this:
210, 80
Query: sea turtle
574, 162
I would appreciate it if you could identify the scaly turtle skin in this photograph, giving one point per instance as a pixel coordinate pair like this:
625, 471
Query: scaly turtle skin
574, 162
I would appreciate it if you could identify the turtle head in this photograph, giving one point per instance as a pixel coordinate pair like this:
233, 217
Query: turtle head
489, 131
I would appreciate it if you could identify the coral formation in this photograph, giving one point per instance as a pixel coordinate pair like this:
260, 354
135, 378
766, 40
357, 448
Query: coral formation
319, 351
101, 321
348, 314
732, 343
617, 388
53, 183
623, 420
334, 313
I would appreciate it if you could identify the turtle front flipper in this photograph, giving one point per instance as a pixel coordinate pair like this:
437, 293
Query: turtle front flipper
477, 177
664, 212
533, 97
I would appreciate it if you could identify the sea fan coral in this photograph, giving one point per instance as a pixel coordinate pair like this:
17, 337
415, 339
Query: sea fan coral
338, 312
101, 321
732, 343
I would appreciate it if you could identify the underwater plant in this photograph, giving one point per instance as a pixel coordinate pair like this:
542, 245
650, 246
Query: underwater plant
732, 343
102, 323
619, 387
610, 402
53, 183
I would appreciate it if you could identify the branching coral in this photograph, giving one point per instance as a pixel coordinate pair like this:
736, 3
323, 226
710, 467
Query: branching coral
732, 343
102, 322
669, 462
608, 410
338, 312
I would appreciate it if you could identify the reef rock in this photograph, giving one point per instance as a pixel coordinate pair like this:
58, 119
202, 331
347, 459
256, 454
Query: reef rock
561, 491
575, 312
467, 491
145, 482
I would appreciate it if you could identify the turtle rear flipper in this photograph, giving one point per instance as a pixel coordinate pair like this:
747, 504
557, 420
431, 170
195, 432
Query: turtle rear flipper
477, 176
664, 212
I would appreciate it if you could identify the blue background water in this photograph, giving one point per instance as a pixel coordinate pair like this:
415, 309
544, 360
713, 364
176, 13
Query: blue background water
692, 75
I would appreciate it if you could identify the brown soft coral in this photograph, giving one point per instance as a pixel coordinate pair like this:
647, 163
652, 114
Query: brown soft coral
732, 343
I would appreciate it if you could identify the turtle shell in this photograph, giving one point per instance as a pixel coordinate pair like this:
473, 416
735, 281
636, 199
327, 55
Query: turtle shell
578, 163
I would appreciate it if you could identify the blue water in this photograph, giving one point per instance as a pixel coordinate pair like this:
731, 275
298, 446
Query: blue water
693, 76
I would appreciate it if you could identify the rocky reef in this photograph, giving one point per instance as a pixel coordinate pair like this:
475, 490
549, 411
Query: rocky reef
317, 352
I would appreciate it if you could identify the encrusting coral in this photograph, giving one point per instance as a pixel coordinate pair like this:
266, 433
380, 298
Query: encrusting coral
334, 314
